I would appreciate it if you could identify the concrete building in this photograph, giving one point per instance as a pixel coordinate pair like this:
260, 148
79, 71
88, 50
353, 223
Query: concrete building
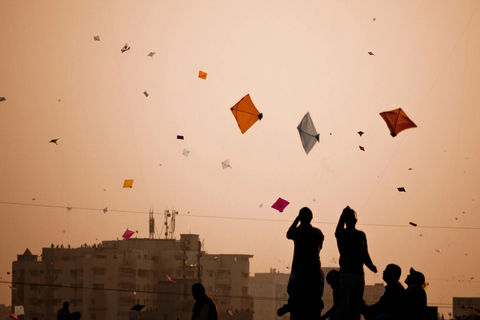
105, 281
269, 291
466, 308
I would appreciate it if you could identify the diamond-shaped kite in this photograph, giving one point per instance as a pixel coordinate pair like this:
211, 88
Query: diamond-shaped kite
137, 307
125, 48
397, 121
401, 189
105, 210
151, 54
145, 93
308, 134
202, 75
186, 152
245, 113
128, 183
128, 234
2, 99
280, 204
361, 148
19, 310
226, 164
96, 38
180, 137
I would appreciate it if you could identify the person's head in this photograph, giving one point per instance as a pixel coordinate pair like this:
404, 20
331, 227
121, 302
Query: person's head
333, 278
198, 290
392, 273
350, 217
305, 215
66, 305
415, 277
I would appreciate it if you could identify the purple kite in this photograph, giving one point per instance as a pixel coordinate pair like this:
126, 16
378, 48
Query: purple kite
128, 234
280, 204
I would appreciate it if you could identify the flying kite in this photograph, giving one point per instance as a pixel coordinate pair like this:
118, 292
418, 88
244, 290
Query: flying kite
413, 224
125, 48
13, 315
128, 234
128, 183
69, 208
360, 133
226, 164
308, 134
19, 310
280, 204
186, 152
96, 38
245, 113
370, 53
151, 54
145, 93
137, 307
179, 137
53, 141
105, 210
2, 99
361, 148
401, 189
202, 75
397, 121
170, 279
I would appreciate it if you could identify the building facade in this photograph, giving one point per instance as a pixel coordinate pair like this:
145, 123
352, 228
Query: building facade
103, 282
466, 308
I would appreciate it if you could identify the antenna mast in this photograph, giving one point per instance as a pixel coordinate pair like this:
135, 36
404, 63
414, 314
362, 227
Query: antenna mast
151, 224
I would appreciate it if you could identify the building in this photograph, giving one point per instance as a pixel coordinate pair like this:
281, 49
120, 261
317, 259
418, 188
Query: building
269, 291
105, 281
466, 308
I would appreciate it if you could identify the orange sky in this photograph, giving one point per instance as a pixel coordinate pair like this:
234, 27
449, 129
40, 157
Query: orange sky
292, 58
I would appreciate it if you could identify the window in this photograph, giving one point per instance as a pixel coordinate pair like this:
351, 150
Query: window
98, 271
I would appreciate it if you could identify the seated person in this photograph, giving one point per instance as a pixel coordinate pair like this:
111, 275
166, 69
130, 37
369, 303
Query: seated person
392, 304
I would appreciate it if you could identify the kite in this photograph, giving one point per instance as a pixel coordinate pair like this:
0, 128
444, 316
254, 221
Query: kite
185, 152
19, 310
361, 148
128, 234
360, 133
308, 134
397, 121
125, 48
401, 189
151, 54
280, 204
179, 137
202, 75
245, 113
169, 279
137, 307
96, 38
226, 164
2, 99
13, 315
438, 250
413, 224
128, 183
69, 208
53, 141
105, 210
145, 93
370, 53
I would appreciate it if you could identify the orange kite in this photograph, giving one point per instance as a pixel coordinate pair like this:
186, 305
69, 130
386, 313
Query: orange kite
245, 113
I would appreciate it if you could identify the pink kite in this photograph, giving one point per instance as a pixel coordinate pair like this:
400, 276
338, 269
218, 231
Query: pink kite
170, 279
280, 204
13, 315
128, 234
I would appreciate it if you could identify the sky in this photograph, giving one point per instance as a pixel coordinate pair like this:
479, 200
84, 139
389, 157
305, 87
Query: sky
292, 57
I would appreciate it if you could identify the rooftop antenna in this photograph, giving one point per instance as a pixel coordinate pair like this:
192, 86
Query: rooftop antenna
171, 224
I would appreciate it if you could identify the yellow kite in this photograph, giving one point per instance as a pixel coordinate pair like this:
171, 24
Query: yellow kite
128, 183
245, 113
397, 121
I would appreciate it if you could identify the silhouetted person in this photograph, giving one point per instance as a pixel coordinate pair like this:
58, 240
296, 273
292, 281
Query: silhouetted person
64, 313
305, 286
353, 249
391, 305
204, 308
416, 303
333, 279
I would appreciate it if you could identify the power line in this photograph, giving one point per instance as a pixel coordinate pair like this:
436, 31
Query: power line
235, 218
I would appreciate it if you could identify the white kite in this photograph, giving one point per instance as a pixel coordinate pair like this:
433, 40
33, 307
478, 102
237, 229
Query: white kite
307, 132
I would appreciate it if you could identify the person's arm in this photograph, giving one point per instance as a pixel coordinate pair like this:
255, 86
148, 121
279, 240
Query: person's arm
203, 312
329, 313
340, 225
291, 230
367, 260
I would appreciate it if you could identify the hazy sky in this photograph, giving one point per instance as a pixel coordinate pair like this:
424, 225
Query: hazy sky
292, 57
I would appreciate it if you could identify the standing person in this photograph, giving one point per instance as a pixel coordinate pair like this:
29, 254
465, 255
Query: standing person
391, 305
64, 312
416, 304
305, 286
204, 308
333, 279
353, 249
